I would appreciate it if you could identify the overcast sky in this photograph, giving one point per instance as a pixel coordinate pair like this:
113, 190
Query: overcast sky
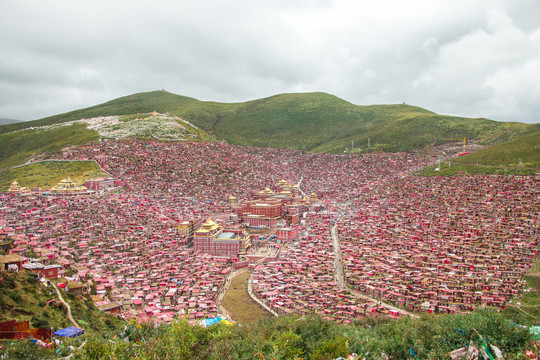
477, 58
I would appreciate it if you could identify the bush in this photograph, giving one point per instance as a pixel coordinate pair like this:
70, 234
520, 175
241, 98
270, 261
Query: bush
39, 323
15, 296
25, 350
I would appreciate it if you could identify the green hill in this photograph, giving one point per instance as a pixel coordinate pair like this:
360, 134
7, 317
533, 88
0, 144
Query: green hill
519, 156
17, 146
525, 148
44, 136
313, 121
49, 173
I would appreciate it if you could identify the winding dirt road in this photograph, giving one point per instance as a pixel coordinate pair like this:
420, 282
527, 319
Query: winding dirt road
339, 275
67, 306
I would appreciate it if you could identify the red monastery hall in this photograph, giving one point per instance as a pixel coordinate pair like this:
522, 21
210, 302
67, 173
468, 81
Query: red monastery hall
213, 239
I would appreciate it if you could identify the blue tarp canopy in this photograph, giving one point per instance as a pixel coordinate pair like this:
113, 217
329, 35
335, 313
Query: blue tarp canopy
71, 331
212, 321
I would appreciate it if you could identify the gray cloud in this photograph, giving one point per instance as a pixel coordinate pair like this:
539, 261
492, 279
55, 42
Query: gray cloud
477, 59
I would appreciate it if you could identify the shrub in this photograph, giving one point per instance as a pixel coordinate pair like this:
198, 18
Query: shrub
39, 323
15, 296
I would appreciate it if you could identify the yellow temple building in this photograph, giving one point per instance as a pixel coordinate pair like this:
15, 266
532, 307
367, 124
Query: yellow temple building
67, 187
15, 188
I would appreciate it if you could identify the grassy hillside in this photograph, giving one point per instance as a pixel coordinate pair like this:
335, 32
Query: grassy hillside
159, 101
520, 156
16, 147
48, 173
22, 298
314, 121
525, 148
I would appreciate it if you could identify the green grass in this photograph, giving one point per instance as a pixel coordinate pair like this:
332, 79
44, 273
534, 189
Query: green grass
241, 307
525, 148
530, 301
287, 337
16, 147
313, 121
460, 169
310, 337
22, 298
501, 159
48, 173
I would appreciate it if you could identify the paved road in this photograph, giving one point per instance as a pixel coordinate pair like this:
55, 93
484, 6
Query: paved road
339, 274
67, 306
338, 258
254, 297
386, 305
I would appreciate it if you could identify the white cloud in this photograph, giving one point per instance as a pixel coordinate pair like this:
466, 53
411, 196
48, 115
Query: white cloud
493, 71
457, 57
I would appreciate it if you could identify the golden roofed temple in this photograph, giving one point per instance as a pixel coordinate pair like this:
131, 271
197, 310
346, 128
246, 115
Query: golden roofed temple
209, 228
15, 188
67, 187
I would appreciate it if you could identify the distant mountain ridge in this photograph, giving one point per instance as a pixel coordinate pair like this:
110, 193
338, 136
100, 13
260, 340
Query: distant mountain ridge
5, 121
317, 122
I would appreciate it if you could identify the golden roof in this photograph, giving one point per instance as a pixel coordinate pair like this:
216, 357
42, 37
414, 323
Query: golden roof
67, 186
15, 188
208, 226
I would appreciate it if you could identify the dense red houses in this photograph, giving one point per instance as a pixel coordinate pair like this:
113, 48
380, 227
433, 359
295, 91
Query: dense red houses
429, 244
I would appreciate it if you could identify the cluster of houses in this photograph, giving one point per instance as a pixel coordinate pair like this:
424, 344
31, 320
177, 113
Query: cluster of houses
302, 279
164, 244
444, 244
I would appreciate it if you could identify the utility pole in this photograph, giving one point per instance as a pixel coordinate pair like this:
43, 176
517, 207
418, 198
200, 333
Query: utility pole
368, 142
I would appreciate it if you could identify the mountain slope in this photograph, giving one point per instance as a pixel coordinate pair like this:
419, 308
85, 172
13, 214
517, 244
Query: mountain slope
18, 146
519, 156
312, 121
23, 298
523, 151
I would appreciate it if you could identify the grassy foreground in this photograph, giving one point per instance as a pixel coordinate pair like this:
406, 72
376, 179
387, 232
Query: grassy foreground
291, 337
22, 299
